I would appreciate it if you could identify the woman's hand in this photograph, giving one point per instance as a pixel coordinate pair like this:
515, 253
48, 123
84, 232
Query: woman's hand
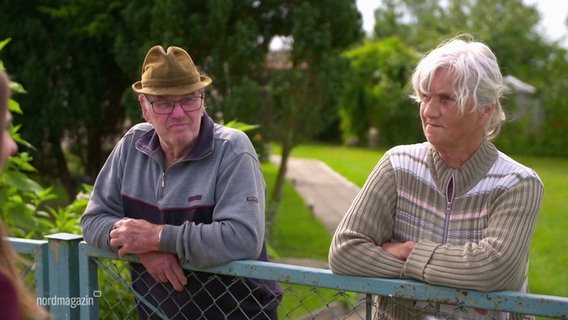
399, 250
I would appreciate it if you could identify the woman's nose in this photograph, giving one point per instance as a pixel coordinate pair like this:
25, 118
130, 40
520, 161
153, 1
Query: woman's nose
429, 108
12, 147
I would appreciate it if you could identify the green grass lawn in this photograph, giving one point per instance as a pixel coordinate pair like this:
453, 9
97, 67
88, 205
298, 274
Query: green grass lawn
293, 236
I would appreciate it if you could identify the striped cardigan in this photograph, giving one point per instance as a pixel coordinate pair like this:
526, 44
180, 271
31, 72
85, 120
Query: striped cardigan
477, 237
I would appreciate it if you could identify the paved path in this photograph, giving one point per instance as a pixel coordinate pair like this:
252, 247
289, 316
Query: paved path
327, 193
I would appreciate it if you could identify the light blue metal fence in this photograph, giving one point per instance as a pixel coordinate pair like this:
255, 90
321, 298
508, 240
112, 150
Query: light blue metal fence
68, 283
38, 250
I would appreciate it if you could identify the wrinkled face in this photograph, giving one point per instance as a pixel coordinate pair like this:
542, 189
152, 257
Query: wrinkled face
178, 129
8, 146
444, 126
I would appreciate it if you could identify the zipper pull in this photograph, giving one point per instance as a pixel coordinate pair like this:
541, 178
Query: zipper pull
162, 185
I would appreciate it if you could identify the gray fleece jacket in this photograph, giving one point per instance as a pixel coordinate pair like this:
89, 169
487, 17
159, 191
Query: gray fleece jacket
211, 203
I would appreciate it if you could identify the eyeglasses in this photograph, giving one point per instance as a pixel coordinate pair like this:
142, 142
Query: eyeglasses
167, 106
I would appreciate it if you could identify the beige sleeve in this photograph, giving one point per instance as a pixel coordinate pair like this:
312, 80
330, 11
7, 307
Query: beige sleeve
355, 247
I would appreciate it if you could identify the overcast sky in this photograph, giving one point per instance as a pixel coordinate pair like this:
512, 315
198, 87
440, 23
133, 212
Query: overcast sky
553, 15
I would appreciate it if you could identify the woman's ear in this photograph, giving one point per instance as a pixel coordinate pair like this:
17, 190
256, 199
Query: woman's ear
487, 111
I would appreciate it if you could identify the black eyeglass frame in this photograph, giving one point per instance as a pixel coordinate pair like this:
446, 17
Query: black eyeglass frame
172, 104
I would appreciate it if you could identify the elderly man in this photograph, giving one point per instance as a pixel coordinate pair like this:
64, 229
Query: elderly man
452, 211
181, 188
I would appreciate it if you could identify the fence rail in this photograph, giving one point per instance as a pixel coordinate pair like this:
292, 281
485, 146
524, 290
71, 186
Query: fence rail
69, 275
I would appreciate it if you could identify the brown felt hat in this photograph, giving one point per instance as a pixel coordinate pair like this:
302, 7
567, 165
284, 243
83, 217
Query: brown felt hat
170, 73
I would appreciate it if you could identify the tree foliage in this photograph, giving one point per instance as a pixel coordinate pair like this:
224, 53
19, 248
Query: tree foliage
377, 94
24, 203
303, 95
74, 88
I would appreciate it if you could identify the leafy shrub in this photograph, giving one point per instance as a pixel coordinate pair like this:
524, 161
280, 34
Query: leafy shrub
22, 199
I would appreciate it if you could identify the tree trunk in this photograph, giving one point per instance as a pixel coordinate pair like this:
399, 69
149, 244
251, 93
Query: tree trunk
276, 197
63, 170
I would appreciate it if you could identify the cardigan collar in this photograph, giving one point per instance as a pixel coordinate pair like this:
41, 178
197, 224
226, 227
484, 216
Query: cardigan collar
469, 174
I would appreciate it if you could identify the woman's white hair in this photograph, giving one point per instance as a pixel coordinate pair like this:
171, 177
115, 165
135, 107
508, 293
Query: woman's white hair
476, 76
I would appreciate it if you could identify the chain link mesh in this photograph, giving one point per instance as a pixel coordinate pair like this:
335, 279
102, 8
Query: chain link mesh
120, 300
26, 266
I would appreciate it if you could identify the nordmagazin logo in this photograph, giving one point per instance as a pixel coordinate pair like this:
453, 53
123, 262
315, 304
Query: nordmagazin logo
72, 302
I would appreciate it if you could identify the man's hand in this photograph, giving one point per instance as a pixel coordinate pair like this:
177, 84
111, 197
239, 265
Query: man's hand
399, 250
164, 267
135, 236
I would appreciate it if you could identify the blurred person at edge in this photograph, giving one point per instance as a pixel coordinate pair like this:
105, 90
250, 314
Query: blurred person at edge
453, 211
180, 188
16, 300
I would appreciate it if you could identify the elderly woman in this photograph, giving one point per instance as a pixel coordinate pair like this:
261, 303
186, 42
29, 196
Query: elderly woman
452, 211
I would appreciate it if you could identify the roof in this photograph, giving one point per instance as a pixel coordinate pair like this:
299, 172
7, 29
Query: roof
517, 85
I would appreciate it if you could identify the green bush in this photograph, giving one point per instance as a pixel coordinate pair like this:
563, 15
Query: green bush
22, 199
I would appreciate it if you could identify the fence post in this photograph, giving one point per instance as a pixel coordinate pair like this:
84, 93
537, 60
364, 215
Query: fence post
88, 285
42, 271
64, 292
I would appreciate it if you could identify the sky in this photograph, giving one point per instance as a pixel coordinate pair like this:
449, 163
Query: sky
553, 15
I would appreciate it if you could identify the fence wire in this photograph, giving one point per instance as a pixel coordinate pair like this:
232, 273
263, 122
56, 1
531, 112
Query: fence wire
121, 300
26, 265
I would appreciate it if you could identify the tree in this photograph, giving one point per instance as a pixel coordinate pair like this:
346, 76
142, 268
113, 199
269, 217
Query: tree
377, 94
61, 50
23, 200
303, 97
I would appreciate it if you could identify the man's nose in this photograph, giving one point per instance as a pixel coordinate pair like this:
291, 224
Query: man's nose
177, 109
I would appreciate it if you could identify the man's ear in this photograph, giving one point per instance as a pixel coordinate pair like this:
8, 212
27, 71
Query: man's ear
143, 108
